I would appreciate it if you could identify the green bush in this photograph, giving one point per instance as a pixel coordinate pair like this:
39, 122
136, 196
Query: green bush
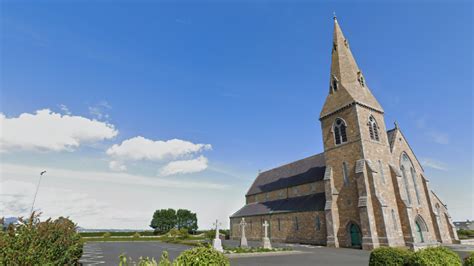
106, 235
469, 260
164, 260
201, 256
136, 235
434, 256
32, 242
389, 256
178, 233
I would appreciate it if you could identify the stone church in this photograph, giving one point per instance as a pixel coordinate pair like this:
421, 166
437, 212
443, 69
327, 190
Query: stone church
367, 189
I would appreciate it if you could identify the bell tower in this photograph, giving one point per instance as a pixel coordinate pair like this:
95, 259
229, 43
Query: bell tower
359, 192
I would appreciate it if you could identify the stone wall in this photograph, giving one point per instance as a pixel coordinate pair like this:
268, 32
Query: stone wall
297, 227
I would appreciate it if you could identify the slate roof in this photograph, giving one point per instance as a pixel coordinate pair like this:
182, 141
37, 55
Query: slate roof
303, 171
313, 202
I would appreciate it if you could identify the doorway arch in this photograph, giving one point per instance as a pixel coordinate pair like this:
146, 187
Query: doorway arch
355, 235
420, 229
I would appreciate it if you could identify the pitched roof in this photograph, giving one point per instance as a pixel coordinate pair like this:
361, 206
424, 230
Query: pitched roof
303, 171
313, 202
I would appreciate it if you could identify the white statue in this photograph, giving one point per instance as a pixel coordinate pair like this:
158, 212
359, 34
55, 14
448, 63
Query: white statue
243, 239
217, 243
266, 239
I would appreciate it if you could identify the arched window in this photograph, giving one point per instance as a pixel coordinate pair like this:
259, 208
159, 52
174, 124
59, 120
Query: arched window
413, 177
296, 225
345, 173
405, 181
373, 129
340, 131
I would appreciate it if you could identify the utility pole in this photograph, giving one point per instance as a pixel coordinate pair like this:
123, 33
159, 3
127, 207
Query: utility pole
36, 193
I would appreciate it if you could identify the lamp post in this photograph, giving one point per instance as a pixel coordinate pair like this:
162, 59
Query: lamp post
36, 193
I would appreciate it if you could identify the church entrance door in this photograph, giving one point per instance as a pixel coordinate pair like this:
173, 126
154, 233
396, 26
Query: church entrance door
355, 236
419, 233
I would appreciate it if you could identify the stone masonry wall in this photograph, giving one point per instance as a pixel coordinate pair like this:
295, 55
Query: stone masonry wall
283, 227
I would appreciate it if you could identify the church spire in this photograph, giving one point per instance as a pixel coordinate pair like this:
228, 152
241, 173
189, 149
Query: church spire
347, 83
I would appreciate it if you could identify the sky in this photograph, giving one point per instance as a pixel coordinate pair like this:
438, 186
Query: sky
133, 106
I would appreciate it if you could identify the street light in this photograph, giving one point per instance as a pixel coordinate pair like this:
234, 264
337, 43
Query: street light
36, 193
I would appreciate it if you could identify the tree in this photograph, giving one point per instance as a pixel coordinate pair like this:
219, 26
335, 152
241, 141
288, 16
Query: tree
163, 220
186, 219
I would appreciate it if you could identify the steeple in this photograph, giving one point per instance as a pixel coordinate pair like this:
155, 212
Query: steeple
347, 83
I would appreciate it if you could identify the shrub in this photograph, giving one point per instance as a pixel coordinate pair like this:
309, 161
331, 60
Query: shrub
389, 256
434, 256
201, 256
178, 233
107, 235
469, 260
164, 260
32, 242
136, 235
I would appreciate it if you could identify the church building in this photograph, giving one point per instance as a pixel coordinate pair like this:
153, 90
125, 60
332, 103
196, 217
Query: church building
367, 189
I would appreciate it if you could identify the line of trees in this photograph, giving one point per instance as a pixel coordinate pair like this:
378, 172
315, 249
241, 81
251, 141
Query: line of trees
166, 219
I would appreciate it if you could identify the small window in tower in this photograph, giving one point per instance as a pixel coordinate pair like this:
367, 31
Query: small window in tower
318, 223
340, 131
373, 129
334, 84
361, 79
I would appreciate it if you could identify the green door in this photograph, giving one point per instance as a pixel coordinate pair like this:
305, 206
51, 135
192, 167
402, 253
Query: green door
355, 236
419, 232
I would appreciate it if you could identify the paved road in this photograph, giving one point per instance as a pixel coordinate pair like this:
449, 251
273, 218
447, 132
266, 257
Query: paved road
107, 253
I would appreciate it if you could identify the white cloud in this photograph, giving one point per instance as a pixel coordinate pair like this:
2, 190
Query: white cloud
140, 148
185, 166
49, 131
99, 110
64, 109
439, 137
431, 163
96, 199
117, 166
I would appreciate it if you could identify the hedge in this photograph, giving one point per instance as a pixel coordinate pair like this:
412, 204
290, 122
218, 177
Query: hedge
201, 256
389, 256
469, 260
435, 256
32, 242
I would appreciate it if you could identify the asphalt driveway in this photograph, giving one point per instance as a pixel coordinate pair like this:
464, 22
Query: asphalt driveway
107, 253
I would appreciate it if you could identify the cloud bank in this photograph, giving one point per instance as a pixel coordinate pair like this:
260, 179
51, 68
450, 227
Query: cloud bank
49, 131
185, 166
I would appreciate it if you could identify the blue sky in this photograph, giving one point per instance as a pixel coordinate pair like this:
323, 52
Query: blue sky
247, 78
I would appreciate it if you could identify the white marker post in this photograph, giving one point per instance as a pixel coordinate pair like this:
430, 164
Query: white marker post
217, 243
266, 239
